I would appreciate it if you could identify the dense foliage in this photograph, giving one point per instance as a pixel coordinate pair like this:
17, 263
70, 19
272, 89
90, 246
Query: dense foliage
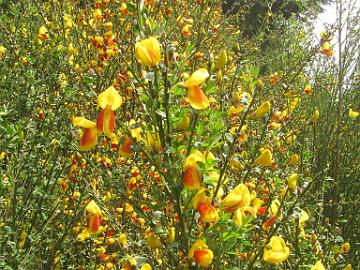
178, 135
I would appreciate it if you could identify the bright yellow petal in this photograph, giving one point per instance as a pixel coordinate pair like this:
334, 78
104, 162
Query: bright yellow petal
265, 158
197, 78
142, 55
318, 266
353, 114
93, 208
195, 157
110, 97
83, 235
83, 122
262, 110
276, 250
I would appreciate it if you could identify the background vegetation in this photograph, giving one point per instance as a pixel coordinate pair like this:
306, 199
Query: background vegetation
269, 74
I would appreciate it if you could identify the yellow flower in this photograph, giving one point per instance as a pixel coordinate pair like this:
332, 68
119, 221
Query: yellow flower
294, 159
262, 110
148, 52
200, 253
276, 250
304, 216
352, 114
153, 142
134, 130
265, 158
221, 60
153, 241
22, 239
345, 248
292, 182
348, 267
171, 235
274, 207
318, 266
195, 157
110, 97
146, 266
239, 197
83, 122
123, 239
93, 208
184, 123
2, 51
315, 116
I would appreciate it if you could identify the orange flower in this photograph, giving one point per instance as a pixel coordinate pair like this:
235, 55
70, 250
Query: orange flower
191, 175
268, 223
196, 96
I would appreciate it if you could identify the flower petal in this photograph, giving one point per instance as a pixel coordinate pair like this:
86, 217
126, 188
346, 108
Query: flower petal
83, 122
110, 97
198, 77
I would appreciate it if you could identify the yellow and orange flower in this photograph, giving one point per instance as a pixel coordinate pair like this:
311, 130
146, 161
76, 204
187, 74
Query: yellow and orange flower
208, 212
43, 34
148, 52
191, 173
109, 101
196, 97
307, 90
90, 136
326, 50
201, 254
192, 177
94, 219
125, 149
